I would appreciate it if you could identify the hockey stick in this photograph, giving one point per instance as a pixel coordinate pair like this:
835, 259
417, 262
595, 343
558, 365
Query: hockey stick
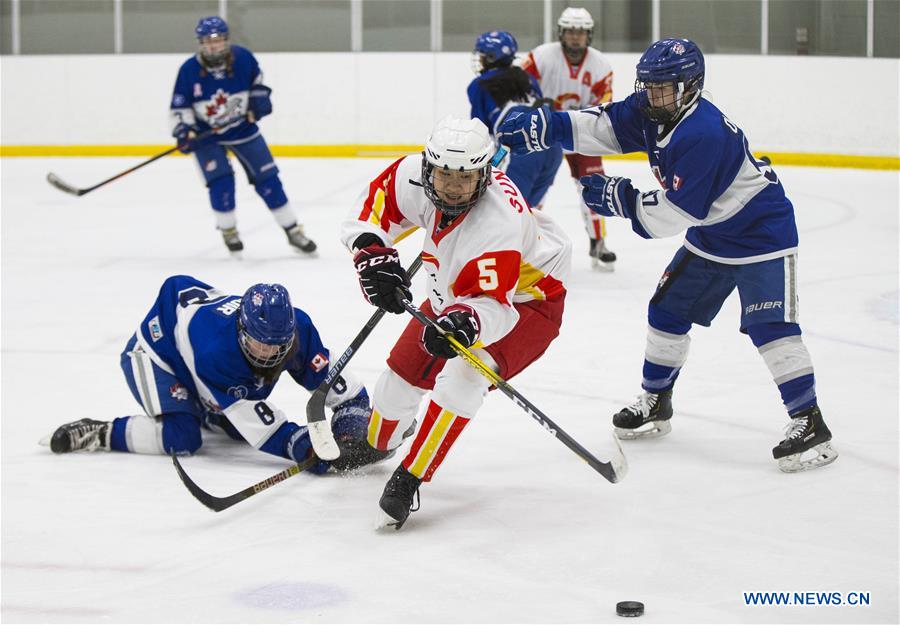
217, 504
65, 187
614, 470
319, 430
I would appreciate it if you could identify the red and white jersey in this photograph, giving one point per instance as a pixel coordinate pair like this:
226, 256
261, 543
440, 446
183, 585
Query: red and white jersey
572, 87
498, 253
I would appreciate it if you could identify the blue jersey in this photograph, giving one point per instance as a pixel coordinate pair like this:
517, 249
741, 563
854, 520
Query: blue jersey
734, 207
487, 109
191, 331
213, 98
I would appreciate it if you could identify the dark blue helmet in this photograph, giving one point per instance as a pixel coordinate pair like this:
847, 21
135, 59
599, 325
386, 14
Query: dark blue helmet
496, 48
675, 62
267, 318
211, 26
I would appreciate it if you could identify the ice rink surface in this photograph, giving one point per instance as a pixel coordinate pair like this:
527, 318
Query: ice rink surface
514, 528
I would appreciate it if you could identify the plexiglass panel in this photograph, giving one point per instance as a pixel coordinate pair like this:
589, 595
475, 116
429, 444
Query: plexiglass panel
729, 27
822, 27
464, 20
67, 27
163, 26
887, 31
291, 25
396, 25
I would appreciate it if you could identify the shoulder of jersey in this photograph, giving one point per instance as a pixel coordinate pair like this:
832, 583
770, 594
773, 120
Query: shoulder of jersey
546, 49
191, 64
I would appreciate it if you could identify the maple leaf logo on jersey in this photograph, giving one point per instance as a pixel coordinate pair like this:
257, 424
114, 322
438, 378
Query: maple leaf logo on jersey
178, 392
222, 108
318, 362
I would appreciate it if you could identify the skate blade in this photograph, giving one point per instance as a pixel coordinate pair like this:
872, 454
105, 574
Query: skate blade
599, 265
384, 522
236, 255
653, 429
825, 454
45, 441
303, 254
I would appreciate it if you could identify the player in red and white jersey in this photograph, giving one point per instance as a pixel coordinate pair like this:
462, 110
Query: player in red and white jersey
576, 76
496, 282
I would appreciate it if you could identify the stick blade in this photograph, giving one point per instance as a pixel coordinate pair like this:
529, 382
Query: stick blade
618, 462
63, 186
323, 440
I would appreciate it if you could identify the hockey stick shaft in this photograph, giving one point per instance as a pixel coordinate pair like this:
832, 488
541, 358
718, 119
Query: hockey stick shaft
217, 504
613, 471
55, 180
319, 431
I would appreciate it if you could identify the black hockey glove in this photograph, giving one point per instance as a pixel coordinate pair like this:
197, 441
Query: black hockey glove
380, 275
457, 321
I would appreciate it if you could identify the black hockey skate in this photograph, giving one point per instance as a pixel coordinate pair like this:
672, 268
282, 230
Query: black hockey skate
806, 432
83, 435
652, 408
397, 500
602, 259
232, 241
299, 241
356, 453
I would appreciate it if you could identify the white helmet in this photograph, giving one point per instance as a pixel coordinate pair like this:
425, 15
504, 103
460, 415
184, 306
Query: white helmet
576, 18
457, 145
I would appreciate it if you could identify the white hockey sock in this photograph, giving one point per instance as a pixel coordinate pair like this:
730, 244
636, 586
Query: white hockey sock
143, 435
285, 215
668, 350
225, 221
787, 358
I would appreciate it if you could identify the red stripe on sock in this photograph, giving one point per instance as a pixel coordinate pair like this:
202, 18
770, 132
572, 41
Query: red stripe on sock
428, 422
385, 431
453, 433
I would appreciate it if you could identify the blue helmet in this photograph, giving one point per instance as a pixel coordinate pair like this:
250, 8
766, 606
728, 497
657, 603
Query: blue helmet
211, 26
496, 48
267, 317
212, 32
678, 62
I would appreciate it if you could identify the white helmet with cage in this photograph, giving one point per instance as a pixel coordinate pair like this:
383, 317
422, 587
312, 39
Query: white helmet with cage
575, 18
457, 145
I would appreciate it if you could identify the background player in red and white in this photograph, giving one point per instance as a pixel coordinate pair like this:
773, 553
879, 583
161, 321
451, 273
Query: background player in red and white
496, 281
575, 76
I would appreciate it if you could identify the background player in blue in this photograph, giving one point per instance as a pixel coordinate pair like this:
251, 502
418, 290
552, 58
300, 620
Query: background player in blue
205, 359
222, 87
500, 88
740, 233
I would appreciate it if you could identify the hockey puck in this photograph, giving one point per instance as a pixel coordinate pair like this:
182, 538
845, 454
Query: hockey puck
629, 608
766, 160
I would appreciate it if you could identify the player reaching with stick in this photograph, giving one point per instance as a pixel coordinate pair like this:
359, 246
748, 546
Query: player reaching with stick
740, 234
203, 359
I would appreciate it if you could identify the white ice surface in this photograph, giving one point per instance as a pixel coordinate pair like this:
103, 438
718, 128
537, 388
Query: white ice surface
514, 527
